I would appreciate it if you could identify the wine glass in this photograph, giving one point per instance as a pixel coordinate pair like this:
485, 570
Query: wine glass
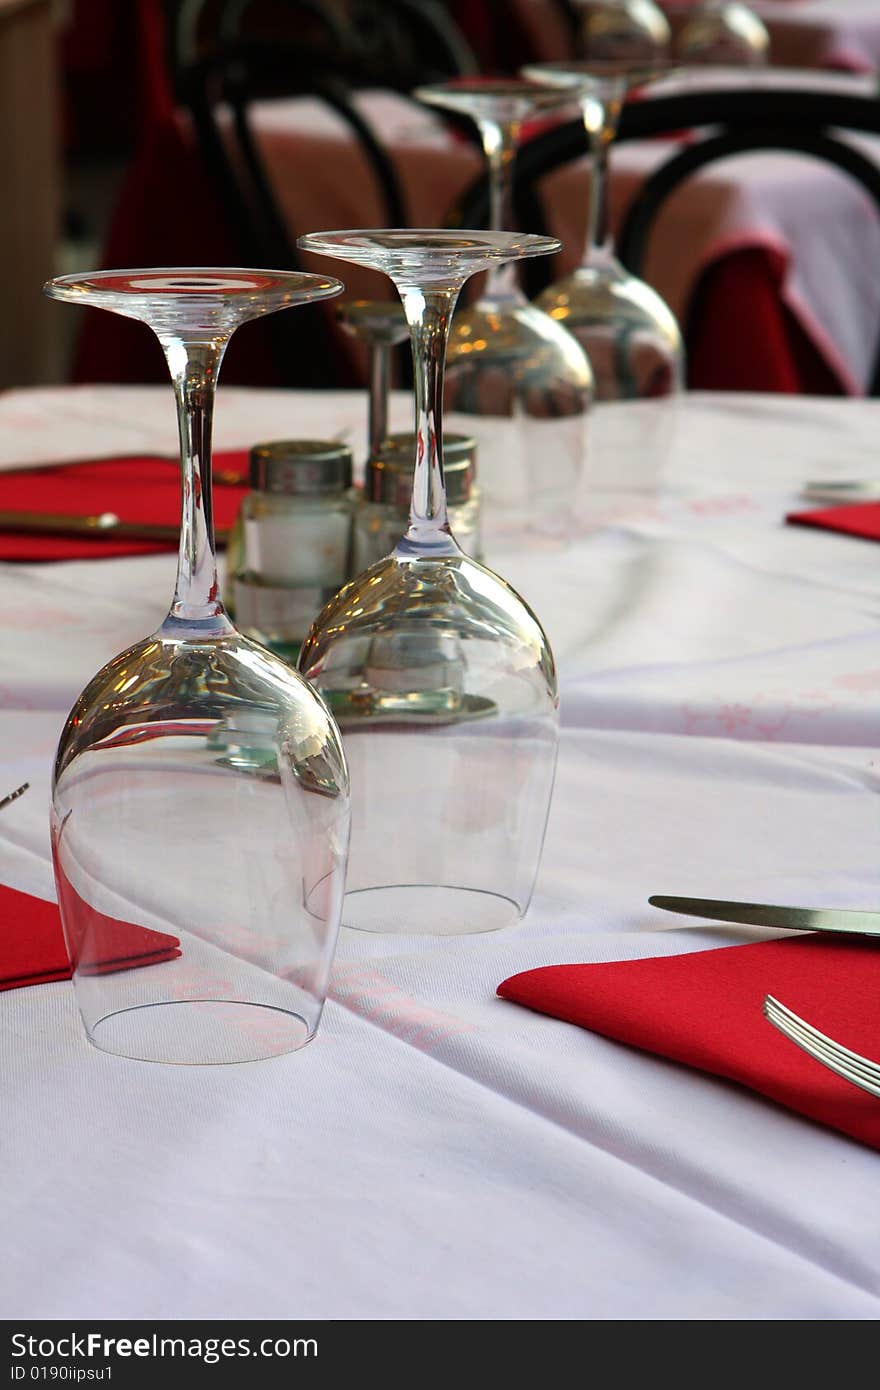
630, 334
440, 676
723, 32
632, 31
200, 809
508, 363
381, 324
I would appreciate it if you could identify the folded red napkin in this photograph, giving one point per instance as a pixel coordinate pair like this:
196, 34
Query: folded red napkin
32, 949
704, 1009
136, 489
856, 519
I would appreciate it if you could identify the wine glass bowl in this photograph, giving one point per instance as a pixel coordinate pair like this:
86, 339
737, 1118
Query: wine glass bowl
623, 30
200, 790
442, 682
508, 361
631, 335
724, 33
439, 675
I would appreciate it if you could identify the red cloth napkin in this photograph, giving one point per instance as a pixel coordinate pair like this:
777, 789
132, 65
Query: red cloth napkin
856, 519
136, 489
33, 952
704, 1009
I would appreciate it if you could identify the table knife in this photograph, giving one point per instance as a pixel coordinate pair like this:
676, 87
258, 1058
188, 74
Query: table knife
102, 525
224, 477
847, 921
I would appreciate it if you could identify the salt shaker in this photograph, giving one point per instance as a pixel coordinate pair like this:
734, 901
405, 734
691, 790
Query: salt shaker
290, 549
382, 515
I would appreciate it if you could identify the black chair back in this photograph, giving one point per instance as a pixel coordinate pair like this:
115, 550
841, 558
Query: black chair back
229, 54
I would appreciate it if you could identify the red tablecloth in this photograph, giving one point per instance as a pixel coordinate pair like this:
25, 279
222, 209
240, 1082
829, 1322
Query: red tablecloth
134, 489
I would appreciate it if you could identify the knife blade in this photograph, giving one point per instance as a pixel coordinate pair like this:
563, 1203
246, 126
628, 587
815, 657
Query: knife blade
102, 525
848, 921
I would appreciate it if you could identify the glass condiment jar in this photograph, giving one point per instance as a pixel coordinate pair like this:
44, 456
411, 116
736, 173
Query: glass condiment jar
382, 514
289, 551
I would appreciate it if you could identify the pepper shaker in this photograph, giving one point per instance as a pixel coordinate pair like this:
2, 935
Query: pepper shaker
381, 516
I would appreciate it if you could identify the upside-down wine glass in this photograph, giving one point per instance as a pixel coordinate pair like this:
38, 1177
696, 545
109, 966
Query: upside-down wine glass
633, 31
521, 380
723, 33
630, 334
200, 809
440, 676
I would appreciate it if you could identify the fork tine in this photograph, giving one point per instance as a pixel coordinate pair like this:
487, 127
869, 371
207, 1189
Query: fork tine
831, 1054
804, 1034
859, 1071
13, 796
814, 1036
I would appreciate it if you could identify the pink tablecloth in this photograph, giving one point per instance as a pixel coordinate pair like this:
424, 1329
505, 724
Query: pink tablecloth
823, 33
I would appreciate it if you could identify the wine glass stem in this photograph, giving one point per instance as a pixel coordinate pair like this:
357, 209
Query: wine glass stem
601, 120
500, 143
598, 237
428, 313
194, 367
380, 362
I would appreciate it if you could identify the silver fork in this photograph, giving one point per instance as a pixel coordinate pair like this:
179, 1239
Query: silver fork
861, 1071
13, 796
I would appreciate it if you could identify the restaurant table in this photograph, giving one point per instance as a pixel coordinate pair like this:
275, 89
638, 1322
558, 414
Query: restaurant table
437, 1152
765, 257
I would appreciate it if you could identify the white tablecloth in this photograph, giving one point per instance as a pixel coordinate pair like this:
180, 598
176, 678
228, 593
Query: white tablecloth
436, 1152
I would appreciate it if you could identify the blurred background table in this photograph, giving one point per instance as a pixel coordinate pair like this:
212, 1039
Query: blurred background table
842, 34
762, 258
759, 257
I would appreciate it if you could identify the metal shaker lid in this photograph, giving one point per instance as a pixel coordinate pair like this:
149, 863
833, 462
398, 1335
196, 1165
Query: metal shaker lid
301, 467
389, 477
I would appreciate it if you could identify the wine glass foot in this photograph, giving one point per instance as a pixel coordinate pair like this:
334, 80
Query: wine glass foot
200, 1032
428, 909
